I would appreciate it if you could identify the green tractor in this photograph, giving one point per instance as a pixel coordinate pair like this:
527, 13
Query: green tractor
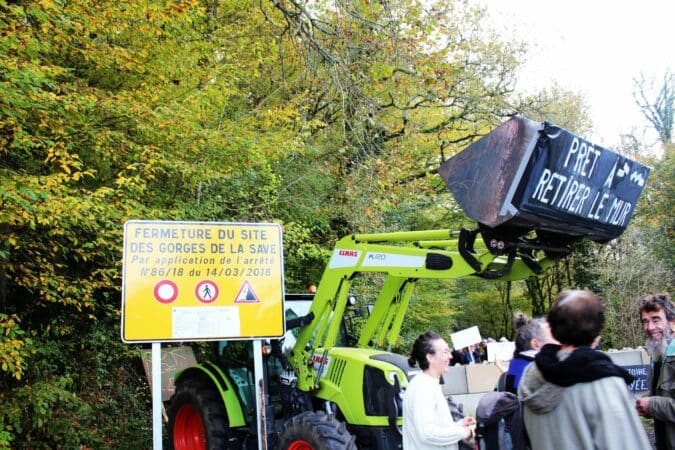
533, 188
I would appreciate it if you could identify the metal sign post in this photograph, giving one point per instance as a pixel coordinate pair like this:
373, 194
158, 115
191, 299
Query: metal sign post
260, 394
157, 396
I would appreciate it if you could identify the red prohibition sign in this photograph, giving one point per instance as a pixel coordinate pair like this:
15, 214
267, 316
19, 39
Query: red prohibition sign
206, 291
166, 291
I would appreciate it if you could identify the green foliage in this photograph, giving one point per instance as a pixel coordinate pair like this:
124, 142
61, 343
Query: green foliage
398, 87
15, 348
491, 306
46, 414
430, 298
657, 207
304, 259
90, 390
558, 106
585, 266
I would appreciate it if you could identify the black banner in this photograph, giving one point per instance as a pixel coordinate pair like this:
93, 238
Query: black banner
569, 179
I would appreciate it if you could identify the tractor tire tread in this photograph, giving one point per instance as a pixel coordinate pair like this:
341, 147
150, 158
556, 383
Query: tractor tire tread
318, 429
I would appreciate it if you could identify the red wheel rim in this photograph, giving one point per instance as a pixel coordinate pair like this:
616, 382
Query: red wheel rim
188, 430
300, 445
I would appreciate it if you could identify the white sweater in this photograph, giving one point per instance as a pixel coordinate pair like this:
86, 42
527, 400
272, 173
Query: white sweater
427, 423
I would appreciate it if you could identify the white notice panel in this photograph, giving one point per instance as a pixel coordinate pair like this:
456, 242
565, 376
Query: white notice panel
205, 323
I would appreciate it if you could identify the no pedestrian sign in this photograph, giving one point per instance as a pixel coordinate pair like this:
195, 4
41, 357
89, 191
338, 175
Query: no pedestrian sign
189, 281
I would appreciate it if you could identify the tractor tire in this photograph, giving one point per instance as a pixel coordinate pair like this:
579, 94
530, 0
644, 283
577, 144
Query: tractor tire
197, 418
315, 431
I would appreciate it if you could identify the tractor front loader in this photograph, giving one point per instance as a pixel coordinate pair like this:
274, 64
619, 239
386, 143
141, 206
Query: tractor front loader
533, 189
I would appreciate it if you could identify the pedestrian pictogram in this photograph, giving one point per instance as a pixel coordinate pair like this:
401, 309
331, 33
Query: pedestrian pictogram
206, 291
165, 291
246, 294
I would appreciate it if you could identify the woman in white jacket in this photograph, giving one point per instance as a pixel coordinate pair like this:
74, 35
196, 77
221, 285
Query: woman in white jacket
427, 422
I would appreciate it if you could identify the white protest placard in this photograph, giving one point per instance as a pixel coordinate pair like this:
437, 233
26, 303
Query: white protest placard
500, 351
466, 337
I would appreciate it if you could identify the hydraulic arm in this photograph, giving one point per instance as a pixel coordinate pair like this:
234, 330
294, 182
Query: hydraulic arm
403, 258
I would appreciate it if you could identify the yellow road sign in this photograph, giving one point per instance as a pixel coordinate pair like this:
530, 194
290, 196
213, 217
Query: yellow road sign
195, 281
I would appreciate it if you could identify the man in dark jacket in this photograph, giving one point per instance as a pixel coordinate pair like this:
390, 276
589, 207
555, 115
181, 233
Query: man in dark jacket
471, 355
658, 316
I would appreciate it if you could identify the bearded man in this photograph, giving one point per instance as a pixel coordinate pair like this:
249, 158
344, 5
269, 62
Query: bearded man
658, 317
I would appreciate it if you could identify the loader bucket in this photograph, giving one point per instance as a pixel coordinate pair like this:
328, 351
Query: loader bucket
526, 175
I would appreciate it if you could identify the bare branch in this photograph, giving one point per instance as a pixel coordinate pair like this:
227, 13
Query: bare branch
657, 107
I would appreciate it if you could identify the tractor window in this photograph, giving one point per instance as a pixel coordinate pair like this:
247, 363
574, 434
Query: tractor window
294, 309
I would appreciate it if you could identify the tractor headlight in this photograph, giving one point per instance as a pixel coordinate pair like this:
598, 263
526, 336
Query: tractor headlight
351, 300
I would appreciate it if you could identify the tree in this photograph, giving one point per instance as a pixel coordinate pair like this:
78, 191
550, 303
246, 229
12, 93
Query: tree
401, 86
112, 111
558, 106
657, 102
658, 205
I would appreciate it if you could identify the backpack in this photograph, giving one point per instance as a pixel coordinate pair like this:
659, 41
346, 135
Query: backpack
499, 423
506, 382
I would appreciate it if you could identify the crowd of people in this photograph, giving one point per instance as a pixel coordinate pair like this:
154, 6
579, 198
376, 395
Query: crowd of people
571, 395
473, 354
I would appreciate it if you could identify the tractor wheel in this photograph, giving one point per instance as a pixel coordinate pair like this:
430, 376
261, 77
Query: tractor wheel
197, 419
315, 431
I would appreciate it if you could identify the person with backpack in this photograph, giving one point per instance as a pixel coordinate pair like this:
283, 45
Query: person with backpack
499, 423
427, 420
574, 397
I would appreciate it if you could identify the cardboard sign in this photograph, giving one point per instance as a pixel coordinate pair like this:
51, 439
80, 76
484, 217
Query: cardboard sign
174, 359
500, 351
